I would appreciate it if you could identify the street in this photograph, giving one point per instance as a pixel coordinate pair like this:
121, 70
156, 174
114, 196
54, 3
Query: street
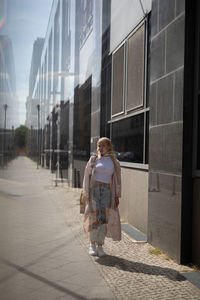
44, 253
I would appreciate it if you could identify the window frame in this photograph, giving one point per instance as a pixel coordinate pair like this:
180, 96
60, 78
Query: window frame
141, 109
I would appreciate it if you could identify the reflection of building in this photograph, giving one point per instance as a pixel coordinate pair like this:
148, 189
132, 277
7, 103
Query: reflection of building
126, 69
31, 103
35, 63
8, 84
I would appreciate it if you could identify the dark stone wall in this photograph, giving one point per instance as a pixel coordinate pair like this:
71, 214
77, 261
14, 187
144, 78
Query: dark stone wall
166, 125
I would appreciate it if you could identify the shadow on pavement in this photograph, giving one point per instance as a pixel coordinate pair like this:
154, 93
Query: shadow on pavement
43, 279
135, 267
45, 255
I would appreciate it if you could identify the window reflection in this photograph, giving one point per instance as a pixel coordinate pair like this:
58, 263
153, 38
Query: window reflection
128, 138
82, 121
86, 15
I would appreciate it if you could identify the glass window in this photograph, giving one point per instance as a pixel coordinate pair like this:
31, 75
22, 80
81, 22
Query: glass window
135, 70
130, 134
117, 81
128, 138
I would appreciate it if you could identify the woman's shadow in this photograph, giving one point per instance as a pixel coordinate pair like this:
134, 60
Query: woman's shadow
135, 267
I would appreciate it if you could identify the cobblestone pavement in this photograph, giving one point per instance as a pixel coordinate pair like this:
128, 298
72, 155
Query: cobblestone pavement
129, 269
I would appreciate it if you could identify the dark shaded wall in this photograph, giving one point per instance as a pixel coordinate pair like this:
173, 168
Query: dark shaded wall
166, 125
191, 182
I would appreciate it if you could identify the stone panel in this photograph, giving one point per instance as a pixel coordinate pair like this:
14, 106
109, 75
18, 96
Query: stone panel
175, 45
163, 182
165, 100
155, 147
153, 104
165, 148
178, 96
172, 148
154, 18
166, 12
158, 56
180, 6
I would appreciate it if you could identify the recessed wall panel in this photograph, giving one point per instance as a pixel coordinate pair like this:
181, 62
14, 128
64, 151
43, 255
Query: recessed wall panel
117, 81
135, 70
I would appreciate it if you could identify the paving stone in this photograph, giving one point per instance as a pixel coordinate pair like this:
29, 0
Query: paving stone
130, 270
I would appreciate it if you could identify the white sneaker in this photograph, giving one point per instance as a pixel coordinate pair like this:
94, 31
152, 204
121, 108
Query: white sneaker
92, 250
100, 251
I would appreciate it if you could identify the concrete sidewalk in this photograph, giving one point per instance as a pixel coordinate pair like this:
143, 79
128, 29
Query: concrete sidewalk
39, 255
44, 254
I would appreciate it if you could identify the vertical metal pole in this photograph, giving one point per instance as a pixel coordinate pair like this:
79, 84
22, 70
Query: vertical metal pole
4, 135
58, 145
13, 141
38, 108
50, 143
5, 107
31, 141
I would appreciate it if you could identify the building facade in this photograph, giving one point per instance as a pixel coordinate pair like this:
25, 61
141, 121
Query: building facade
123, 69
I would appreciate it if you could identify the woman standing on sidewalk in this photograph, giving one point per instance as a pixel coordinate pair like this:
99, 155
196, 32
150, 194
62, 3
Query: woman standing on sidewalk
102, 189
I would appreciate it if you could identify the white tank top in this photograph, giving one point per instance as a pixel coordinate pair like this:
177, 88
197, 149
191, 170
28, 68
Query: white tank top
104, 169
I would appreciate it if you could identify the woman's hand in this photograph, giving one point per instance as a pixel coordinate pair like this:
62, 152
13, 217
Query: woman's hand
116, 202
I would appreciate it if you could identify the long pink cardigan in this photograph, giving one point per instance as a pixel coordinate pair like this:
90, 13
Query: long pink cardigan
114, 225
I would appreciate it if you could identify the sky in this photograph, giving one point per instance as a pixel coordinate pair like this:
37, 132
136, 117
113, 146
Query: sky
26, 21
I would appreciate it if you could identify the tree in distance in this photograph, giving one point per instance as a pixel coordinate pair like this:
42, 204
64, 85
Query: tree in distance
20, 138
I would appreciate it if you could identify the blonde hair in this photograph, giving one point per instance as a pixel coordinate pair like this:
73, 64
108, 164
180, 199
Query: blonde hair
106, 141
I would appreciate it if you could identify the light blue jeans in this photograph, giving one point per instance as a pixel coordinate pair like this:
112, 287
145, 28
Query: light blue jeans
99, 217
